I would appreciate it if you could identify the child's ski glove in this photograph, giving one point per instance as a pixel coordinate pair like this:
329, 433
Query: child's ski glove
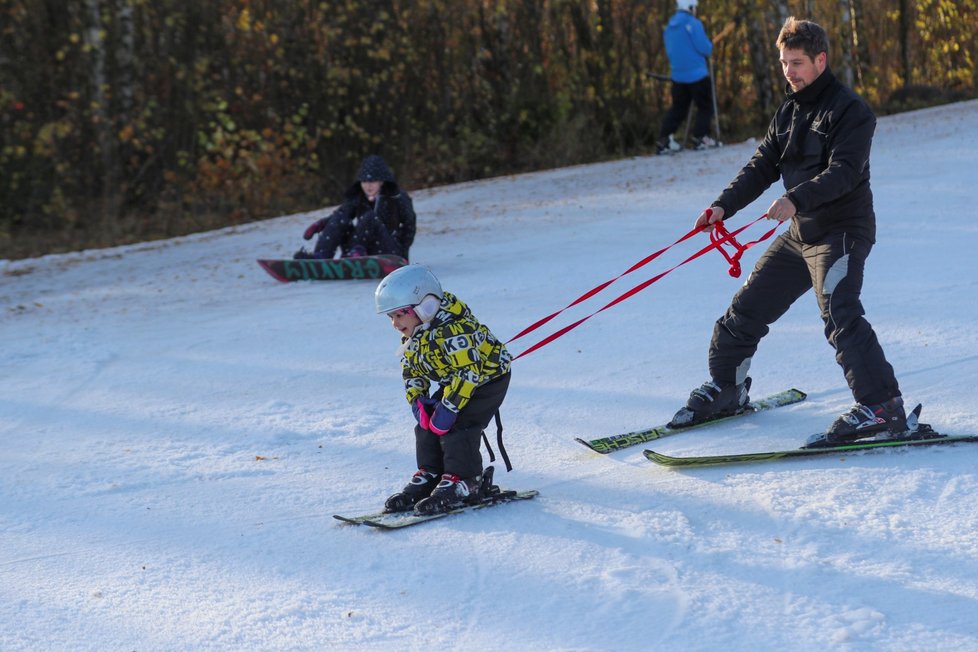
423, 409
442, 420
433, 416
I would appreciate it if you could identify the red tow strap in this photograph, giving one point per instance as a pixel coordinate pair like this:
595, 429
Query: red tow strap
718, 237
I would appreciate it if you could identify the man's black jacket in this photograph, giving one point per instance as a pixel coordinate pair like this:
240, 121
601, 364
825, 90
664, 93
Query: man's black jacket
818, 143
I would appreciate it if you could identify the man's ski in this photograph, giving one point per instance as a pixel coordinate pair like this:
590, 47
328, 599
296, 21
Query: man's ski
711, 460
921, 435
606, 445
396, 520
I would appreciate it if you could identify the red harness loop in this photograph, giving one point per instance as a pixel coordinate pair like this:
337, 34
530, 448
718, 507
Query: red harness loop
720, 236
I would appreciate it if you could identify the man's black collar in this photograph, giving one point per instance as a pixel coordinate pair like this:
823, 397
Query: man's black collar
811, 92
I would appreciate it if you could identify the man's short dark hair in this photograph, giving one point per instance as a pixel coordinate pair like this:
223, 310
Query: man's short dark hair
803, 35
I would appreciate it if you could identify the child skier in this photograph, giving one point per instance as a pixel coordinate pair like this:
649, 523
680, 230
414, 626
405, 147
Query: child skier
443, 345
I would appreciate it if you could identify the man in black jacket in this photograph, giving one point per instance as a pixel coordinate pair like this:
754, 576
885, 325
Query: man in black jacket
818, 143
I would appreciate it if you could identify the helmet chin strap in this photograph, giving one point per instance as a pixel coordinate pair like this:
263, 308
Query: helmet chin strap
407, 340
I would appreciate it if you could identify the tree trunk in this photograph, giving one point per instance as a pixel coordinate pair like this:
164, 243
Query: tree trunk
101, 115
860, 43
904, 36
842, 64
760, 43
125, 59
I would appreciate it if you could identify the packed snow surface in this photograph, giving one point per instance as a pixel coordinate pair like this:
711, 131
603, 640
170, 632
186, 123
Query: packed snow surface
178, 429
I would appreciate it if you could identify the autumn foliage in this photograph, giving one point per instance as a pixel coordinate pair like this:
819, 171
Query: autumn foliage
124, 120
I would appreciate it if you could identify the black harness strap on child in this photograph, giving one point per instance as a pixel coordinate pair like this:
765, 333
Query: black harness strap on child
499, 442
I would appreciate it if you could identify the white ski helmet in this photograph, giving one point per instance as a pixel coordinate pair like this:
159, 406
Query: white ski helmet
686, 5
406, 287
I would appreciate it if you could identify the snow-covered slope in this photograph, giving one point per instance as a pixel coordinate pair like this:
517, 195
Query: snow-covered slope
177, 429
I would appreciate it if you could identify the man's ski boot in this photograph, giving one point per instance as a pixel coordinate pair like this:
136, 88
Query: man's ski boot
421, 486
710, 401
885, 420
454, 492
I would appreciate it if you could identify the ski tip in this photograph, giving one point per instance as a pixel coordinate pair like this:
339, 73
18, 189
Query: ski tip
654, 456
602, 451
662, 460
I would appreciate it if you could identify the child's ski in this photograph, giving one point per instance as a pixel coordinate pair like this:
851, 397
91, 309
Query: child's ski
606, 445
396, 520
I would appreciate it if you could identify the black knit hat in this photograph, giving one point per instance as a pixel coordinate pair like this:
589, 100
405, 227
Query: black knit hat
374, 168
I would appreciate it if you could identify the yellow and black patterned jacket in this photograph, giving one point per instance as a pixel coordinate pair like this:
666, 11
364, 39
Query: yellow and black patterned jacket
456, 352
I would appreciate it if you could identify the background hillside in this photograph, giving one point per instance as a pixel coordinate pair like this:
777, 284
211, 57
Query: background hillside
123, 121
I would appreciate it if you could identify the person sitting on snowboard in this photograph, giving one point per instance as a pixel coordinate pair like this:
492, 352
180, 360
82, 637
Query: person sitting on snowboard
376, 217
445, 348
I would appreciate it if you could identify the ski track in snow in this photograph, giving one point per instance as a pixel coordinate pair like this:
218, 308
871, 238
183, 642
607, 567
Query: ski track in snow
178, 429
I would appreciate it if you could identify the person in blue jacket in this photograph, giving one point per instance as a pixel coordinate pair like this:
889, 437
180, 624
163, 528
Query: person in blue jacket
688, 48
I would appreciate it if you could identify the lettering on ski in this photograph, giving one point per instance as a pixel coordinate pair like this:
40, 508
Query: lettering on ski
397, 520
933, 439
332, 269
605, 445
